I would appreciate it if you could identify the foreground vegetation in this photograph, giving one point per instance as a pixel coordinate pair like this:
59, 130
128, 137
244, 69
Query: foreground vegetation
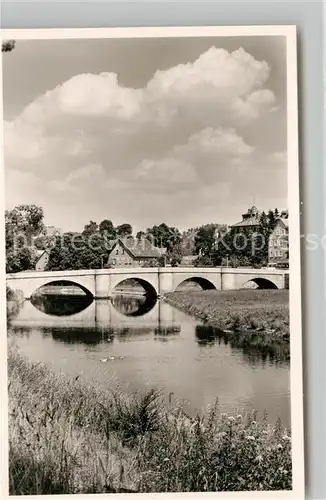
67, 437
248, 319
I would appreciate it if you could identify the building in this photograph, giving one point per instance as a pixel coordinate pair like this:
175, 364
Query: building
250, 221
278, 247
132, 252
42, 259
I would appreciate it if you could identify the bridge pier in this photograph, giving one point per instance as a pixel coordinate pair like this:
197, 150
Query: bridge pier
165, 283
102, 286
228, 280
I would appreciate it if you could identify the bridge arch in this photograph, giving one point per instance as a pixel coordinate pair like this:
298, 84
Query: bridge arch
262, 283
204, 283
149, 289
63, 283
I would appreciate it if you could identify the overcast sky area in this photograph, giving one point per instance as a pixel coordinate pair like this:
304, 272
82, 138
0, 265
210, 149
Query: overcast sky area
185, 131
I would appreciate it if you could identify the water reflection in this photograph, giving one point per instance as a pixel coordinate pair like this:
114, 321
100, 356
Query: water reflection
162, 348
61, 305
79, 319
68, 305
129, 333
164, 334
87, 336
130, 305
254, 352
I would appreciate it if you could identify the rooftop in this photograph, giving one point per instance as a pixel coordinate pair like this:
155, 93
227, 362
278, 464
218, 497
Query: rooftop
285, 221
139, 248
253, 221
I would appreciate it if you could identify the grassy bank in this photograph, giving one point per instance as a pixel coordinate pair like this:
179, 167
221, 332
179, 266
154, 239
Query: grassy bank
248, 319
67, 437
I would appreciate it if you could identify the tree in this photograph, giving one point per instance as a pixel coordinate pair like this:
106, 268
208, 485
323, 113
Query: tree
271, 219
124, 230
140, 235
23, 224
25, 219
205, 241
164, 236
8, 45
174, 257
106, 226
75, 251
19, 260
188, 242
90, 228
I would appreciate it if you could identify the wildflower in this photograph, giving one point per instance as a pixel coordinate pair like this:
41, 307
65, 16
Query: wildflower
279, 447
231, 419
254, 422
250, 438
265, 432
166, 459
259, 458
286, 438
239, 417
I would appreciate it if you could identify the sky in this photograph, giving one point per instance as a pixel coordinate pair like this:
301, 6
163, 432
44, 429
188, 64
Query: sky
185, 131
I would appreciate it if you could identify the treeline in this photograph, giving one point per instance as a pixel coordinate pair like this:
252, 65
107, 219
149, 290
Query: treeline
211, 244
26, 235
90, 249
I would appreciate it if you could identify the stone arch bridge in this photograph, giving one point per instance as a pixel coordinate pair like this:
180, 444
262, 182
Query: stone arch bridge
100, 283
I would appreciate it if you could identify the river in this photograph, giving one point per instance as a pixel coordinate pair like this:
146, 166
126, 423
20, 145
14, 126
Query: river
135, 343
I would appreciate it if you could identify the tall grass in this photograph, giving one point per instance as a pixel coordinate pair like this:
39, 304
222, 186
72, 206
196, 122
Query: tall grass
68, 437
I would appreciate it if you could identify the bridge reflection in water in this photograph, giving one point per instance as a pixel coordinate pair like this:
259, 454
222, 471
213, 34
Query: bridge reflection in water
133, 345
79, 319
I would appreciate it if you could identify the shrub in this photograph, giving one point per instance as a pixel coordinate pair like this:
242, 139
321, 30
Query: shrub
67, 437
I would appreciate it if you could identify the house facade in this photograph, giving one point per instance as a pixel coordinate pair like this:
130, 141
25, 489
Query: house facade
125, 252
42, 260
278, 248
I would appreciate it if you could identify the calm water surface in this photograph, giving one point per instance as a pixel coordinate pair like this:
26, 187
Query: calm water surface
137, 343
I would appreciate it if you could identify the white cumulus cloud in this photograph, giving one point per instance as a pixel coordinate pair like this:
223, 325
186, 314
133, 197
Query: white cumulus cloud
184, 130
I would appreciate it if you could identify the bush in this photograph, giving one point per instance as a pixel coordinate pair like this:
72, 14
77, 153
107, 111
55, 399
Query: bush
217, 453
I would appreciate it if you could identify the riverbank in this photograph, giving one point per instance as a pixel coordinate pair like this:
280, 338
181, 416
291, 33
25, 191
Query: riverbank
14, 300
250, 319
68, 437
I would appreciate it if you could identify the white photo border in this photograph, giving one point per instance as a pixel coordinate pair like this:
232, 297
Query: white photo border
296, 396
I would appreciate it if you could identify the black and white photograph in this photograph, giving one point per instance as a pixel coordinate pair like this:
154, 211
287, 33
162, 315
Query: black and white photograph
152, 261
